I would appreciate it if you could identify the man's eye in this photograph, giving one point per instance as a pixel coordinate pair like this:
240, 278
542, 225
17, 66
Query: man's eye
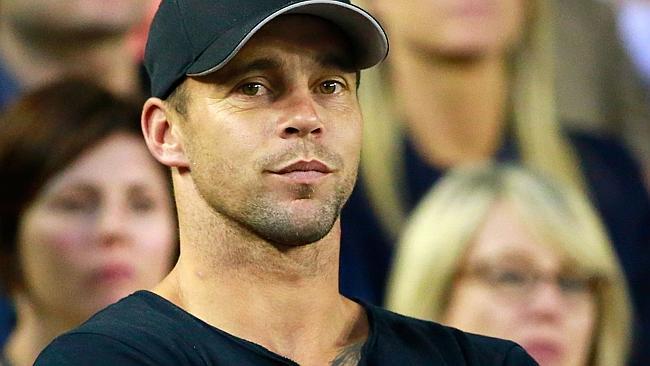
253, 89
330, 87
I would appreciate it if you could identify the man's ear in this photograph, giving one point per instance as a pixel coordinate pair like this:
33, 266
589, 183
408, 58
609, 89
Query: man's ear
162, 136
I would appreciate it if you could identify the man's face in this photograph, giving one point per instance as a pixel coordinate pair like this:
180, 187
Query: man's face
273, 138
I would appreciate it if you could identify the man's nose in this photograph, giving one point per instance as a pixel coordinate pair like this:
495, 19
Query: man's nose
300, 118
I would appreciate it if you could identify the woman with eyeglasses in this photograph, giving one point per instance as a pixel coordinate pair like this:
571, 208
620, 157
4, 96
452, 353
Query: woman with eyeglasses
502, 251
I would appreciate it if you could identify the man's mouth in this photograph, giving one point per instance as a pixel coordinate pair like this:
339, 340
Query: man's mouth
305, 166
303, 171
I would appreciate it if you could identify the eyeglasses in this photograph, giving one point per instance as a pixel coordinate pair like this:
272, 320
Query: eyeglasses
519, 283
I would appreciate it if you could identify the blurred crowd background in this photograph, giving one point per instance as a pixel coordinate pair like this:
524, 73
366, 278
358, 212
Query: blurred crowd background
504, 184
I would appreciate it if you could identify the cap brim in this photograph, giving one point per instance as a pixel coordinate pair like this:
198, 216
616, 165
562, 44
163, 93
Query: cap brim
368, 37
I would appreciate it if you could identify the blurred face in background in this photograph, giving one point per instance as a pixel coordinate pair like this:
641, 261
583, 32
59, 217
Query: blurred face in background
515, 287
453, 28
82, 17
97, 231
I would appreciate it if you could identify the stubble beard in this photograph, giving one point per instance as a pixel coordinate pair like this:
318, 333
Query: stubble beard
280, 225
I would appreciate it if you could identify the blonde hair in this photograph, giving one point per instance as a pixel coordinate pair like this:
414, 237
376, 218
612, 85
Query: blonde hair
535, 125
441, 229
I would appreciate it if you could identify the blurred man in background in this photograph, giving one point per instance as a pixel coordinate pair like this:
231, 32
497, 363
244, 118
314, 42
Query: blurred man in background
41, 40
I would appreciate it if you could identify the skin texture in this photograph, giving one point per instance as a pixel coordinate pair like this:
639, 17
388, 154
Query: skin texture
555, 329
252, 233
99, 230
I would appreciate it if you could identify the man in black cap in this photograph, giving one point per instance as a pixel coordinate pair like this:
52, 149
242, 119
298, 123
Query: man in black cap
255, 111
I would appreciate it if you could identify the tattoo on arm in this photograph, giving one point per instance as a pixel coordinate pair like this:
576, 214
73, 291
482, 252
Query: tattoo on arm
349, 356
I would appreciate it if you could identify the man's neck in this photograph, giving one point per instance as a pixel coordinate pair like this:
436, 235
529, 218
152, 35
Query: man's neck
454, 109
283, 298
35, 62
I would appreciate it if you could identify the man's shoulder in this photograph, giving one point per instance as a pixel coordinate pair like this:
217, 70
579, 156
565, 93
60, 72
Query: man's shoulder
422, 339
141, 312
141, 329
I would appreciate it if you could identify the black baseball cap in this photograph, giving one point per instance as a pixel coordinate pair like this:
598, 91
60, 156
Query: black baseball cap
198, 37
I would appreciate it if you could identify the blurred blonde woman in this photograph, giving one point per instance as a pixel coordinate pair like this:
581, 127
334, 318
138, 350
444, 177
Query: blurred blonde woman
472, 81
500, 251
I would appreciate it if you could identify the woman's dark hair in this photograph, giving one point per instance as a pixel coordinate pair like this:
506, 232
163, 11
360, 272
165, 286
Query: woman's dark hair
40, 135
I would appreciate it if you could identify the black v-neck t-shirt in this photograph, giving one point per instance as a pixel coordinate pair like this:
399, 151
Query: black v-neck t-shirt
146, 329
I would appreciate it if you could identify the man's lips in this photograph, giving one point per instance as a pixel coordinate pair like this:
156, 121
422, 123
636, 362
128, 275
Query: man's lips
304, 166
303, 171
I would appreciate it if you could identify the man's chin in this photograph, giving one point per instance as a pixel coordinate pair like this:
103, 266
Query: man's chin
296, 234
294, 223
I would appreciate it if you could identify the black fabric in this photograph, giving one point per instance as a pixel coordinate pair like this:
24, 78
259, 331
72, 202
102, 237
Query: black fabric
145, 329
